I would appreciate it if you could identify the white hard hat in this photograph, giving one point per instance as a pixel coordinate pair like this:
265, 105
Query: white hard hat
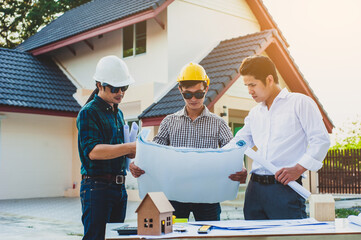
113, 71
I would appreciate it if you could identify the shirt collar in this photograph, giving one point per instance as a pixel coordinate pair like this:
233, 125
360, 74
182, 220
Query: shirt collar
282, 94
102, 104
204, 113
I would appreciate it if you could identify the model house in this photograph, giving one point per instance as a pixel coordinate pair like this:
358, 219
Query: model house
154, 214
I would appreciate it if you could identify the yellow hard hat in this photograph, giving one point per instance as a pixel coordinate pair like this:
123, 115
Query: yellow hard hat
193, 72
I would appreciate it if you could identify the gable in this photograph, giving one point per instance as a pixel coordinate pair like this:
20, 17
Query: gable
93, 15
159, 200
102, 16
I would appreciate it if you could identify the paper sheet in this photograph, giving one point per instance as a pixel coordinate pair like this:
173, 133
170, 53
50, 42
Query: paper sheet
300, 227
355, 219
260, 224
270, 167
188, 174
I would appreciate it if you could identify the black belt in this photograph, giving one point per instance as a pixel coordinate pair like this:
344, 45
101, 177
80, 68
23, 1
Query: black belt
268, 179
110, 178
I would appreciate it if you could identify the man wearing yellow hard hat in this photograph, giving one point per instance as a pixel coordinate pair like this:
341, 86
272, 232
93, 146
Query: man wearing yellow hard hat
194, 126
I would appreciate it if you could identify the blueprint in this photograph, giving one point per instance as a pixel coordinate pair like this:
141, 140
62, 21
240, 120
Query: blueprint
188, 174
355, 219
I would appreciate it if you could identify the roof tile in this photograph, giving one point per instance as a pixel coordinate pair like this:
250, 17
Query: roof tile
35, 82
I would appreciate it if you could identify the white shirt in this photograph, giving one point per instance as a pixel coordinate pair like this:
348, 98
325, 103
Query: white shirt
290, 132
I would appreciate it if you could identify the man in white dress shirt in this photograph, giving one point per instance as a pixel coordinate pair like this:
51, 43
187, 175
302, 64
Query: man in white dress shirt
288, 131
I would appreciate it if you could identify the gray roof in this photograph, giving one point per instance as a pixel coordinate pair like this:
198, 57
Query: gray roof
221, 65
34, 82
86, 17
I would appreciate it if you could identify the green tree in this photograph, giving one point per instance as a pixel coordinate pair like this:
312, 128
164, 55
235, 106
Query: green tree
349, 135
20, 19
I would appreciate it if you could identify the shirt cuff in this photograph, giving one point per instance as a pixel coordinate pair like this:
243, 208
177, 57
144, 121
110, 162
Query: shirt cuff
310, 163
89, 147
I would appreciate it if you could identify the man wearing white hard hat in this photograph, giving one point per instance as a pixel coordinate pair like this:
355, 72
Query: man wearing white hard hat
102, 149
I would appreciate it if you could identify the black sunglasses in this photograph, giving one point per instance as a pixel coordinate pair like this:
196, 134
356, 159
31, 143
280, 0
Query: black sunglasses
115, 89
189, 95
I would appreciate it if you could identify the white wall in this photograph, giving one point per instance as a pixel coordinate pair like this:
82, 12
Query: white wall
196, 27
36, 155
145, 68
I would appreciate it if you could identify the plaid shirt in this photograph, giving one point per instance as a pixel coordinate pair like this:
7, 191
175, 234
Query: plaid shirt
207, 131
97, 123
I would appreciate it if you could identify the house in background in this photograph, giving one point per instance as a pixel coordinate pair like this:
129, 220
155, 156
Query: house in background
156, 38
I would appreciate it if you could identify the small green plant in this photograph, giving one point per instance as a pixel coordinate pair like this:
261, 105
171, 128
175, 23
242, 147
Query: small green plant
75, 234
345, 212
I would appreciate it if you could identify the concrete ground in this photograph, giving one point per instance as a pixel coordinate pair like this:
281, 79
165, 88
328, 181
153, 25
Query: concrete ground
60, 218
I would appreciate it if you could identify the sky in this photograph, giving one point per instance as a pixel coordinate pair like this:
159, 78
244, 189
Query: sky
325, 43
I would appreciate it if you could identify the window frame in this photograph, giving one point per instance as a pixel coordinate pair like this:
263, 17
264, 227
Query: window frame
134, 44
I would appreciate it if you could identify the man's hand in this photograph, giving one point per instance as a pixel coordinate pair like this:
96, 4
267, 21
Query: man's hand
132, 149
239, 176
135, 170
286, 175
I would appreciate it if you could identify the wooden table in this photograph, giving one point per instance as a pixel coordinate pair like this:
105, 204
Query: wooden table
340, 229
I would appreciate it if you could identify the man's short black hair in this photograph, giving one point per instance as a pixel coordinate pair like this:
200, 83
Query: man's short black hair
259, 67
191, 83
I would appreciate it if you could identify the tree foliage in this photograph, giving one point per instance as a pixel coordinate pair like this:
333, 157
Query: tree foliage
20, 19
349, 135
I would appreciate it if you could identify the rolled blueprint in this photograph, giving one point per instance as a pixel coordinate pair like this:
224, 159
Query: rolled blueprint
130, 137
126, 133
133, 132
270, 167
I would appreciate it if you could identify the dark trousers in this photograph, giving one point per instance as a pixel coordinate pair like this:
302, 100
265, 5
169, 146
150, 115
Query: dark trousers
201, 211
102, 203
272, 201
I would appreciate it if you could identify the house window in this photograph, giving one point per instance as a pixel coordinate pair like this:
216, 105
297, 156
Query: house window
146, 220
168, 221
134, 39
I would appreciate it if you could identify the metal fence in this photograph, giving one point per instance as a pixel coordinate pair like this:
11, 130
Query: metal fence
341, 172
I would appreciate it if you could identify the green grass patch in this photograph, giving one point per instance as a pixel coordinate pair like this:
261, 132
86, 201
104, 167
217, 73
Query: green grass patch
345, 212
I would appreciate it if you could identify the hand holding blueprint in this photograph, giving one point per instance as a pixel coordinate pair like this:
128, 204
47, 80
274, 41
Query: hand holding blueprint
188, 174
270, 167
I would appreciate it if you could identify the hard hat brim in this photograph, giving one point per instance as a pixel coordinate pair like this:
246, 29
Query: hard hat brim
129, 81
